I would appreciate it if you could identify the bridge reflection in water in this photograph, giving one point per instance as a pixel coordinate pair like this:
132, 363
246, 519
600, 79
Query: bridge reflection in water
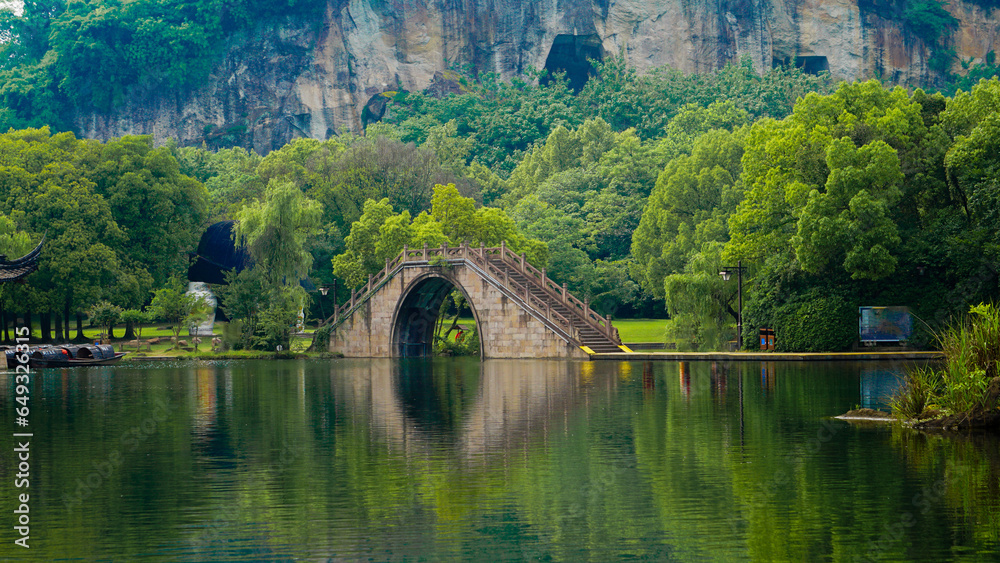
472, 407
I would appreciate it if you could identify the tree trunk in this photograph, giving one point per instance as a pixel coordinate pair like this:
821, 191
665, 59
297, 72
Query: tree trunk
129, 332
79, 328
67, 337
111, 333
27, 322
59, 328
45, 322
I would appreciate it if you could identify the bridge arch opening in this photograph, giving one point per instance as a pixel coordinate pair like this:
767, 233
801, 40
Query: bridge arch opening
415, 322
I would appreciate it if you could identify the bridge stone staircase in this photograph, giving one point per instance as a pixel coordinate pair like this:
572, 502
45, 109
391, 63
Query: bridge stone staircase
529, 286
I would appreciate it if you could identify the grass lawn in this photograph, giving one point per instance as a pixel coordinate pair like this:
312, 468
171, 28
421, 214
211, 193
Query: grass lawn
160, 330
630, 330
640, 330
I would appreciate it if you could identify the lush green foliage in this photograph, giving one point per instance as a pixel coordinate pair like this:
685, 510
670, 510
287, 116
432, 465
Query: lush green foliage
638, 189
971, 370
275, 231
174, 305
865, 196
133, 320
380, 234
13, 243
90, 55
106, 316
118, 218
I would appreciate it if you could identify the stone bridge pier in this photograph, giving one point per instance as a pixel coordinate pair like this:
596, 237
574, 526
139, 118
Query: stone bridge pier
517, 314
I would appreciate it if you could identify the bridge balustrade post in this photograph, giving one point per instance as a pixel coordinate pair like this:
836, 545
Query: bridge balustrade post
522, 261
482, 250
607, 319
444, 250
586, 305
543, 279
503, 250
506, 277
465, 249
565, 289
406, 251
387, 267
354, 293
369, 288
425, 251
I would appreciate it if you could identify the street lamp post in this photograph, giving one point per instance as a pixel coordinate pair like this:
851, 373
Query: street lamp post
324, 289
726, 273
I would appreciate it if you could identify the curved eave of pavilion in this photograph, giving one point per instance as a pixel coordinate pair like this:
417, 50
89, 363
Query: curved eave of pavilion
16, 270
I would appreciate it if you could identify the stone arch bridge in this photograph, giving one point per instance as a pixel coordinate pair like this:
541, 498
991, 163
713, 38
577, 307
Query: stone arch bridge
519, 312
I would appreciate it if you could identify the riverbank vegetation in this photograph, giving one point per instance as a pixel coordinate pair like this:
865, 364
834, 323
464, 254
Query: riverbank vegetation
635, 192
965, 390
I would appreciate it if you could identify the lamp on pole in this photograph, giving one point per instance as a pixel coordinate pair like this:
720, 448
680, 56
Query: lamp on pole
324, 289
726, 273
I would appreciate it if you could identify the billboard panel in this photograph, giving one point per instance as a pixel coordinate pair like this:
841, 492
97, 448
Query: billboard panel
884, 324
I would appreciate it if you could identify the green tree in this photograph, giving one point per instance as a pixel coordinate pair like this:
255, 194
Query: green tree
380, 233
106, 316
174, 305
243, 298
160, 211
275, 231
134, 319
688, 208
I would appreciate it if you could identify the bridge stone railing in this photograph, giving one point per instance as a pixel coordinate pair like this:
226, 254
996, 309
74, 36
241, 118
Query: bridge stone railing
485, 259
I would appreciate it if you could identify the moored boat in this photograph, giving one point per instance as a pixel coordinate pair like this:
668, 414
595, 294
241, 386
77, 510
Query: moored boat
60, 356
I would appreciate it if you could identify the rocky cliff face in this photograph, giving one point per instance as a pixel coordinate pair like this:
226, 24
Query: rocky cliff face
314, 78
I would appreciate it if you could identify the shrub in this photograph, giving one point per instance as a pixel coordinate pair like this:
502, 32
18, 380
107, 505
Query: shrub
818, 324
972, 360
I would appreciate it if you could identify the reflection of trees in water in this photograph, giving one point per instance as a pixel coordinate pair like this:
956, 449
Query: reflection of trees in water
964, 472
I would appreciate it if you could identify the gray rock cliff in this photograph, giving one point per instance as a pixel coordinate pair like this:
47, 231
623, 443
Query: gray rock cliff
314, 78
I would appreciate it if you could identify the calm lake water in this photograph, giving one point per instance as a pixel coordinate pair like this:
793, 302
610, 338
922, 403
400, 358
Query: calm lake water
461, 460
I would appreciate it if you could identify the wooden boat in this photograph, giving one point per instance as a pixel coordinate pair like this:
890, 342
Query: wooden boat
74, 356
76, 362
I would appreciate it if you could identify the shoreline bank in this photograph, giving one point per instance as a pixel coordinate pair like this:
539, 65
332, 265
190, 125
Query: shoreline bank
767, 356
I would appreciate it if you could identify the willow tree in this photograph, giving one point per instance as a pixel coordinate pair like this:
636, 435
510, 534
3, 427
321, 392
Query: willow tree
275, 231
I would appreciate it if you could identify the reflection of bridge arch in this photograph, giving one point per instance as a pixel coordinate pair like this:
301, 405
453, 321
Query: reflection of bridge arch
519, 312
416, 315
513, 400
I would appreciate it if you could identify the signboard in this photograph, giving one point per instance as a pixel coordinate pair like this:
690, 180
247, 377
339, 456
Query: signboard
884, 324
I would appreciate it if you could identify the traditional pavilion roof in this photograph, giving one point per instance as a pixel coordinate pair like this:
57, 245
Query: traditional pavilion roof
14, 270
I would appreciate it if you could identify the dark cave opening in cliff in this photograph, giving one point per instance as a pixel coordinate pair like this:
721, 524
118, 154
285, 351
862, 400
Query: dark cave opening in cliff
809, 64
572, 54
813, 64
374, 109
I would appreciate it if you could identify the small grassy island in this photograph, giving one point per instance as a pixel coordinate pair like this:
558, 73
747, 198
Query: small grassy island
965, 391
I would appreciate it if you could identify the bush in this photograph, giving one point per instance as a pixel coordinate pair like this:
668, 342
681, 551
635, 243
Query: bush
972, 361
321, 338
818, 324
233, 336
465, 345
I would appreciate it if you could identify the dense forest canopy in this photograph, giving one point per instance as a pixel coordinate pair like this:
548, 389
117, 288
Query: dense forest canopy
636, 190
